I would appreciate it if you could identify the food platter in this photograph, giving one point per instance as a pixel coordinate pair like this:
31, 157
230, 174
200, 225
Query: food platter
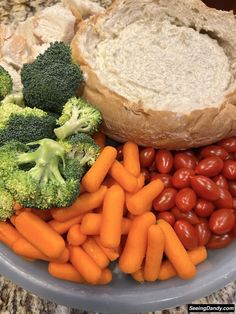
80, 203
123, 295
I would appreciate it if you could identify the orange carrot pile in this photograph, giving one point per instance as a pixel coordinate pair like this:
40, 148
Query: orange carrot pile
111, 220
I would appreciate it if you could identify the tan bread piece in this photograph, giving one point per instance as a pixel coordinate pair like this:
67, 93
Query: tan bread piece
83, 8
55, 23
22, 43
162, 72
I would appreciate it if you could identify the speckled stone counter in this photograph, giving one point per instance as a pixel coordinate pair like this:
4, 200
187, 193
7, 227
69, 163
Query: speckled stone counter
14, 299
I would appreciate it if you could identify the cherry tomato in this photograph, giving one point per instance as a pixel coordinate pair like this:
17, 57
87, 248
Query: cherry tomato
231, 156
232, 187
234, 204
164, 161
210, 166
205, 188
189, 152
147, 156
147, 175
203, 232
214, 150
221, 182
204, 208
229, 170
186, 233
229, 144
191, 217
225, 200
165, 178
166, 200
222, 221
183, 160
152, 167
186, 199
119, 152
219, 241
181, 178
202, 219
167, 216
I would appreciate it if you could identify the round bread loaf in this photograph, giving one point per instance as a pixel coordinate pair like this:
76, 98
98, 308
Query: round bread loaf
162, 72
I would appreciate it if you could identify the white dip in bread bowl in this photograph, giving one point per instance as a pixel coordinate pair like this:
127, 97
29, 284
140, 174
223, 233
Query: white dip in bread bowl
162, 72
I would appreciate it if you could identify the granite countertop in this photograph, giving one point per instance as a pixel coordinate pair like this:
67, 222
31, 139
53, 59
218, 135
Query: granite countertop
16, 300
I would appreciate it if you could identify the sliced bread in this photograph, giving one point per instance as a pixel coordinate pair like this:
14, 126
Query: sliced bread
162, 72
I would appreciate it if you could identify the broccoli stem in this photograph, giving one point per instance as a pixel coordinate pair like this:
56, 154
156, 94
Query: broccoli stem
85, 159
46, 158
74, 125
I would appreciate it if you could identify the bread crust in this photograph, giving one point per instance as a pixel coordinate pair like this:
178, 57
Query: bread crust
125, 120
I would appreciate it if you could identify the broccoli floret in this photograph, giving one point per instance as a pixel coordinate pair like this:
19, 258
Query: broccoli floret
5, 83
78, 116
24, 124
51, 79
81, 147
6, 203
41, 177
14, 98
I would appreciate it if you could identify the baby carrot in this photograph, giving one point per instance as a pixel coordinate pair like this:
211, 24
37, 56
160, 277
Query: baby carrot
65, 272
63, 258
12, 219
82, 189
85, 265
17, 206
125, 225
8, 234
106, 277
95, 252
40, 234
131, 158
141, 182
63, 227
138, 275
112, 213
44, 214
23, 247
121, 175
154, 254
99, 139
22, 209
135, 247
176, 252
93, 179
109, 181
112, 254
197, 256
141, 201
91, 224
84, 203
131, 216
75, 236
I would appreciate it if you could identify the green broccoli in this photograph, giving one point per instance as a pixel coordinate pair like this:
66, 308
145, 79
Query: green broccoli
6, 203
51, 79
14, 98
24, 124
5, 83
78, 116
81, 147
39, 175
